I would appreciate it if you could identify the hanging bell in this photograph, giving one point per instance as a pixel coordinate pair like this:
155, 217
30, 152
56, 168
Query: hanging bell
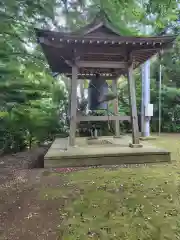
97, 89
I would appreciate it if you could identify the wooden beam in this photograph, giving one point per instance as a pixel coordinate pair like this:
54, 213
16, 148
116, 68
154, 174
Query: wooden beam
101, 64
132, 101
115, 105
103, 118
73, 106
85, 77
81, 78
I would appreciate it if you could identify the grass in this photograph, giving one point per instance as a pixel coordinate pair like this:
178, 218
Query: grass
127, 203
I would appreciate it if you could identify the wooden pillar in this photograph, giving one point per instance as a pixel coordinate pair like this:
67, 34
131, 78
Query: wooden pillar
115, 106
132, 101
73, 106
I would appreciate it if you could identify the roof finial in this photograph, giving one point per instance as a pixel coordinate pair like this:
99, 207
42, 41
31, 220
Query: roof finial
102, 14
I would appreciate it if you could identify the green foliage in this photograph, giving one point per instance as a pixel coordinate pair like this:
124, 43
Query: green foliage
170, 108
31, 101
170, 90
128, 16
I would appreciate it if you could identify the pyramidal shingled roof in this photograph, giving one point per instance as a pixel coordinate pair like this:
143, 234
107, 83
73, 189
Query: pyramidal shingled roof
98, 41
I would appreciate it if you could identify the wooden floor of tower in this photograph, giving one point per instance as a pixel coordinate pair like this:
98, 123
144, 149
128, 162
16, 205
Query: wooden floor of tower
104, 151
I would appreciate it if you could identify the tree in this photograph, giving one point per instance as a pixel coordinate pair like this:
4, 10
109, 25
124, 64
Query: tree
25, 80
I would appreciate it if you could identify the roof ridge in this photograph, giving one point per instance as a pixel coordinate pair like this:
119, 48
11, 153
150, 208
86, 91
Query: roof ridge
100, 19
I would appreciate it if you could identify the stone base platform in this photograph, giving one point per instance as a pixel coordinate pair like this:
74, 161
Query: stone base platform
102, 151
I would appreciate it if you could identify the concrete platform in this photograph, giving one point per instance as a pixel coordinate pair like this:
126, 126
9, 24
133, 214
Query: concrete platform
104, 151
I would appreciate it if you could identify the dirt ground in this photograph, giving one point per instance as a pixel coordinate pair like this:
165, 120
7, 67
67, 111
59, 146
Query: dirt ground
22, 214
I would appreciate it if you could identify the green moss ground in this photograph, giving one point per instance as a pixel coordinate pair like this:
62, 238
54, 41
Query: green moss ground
126, 203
